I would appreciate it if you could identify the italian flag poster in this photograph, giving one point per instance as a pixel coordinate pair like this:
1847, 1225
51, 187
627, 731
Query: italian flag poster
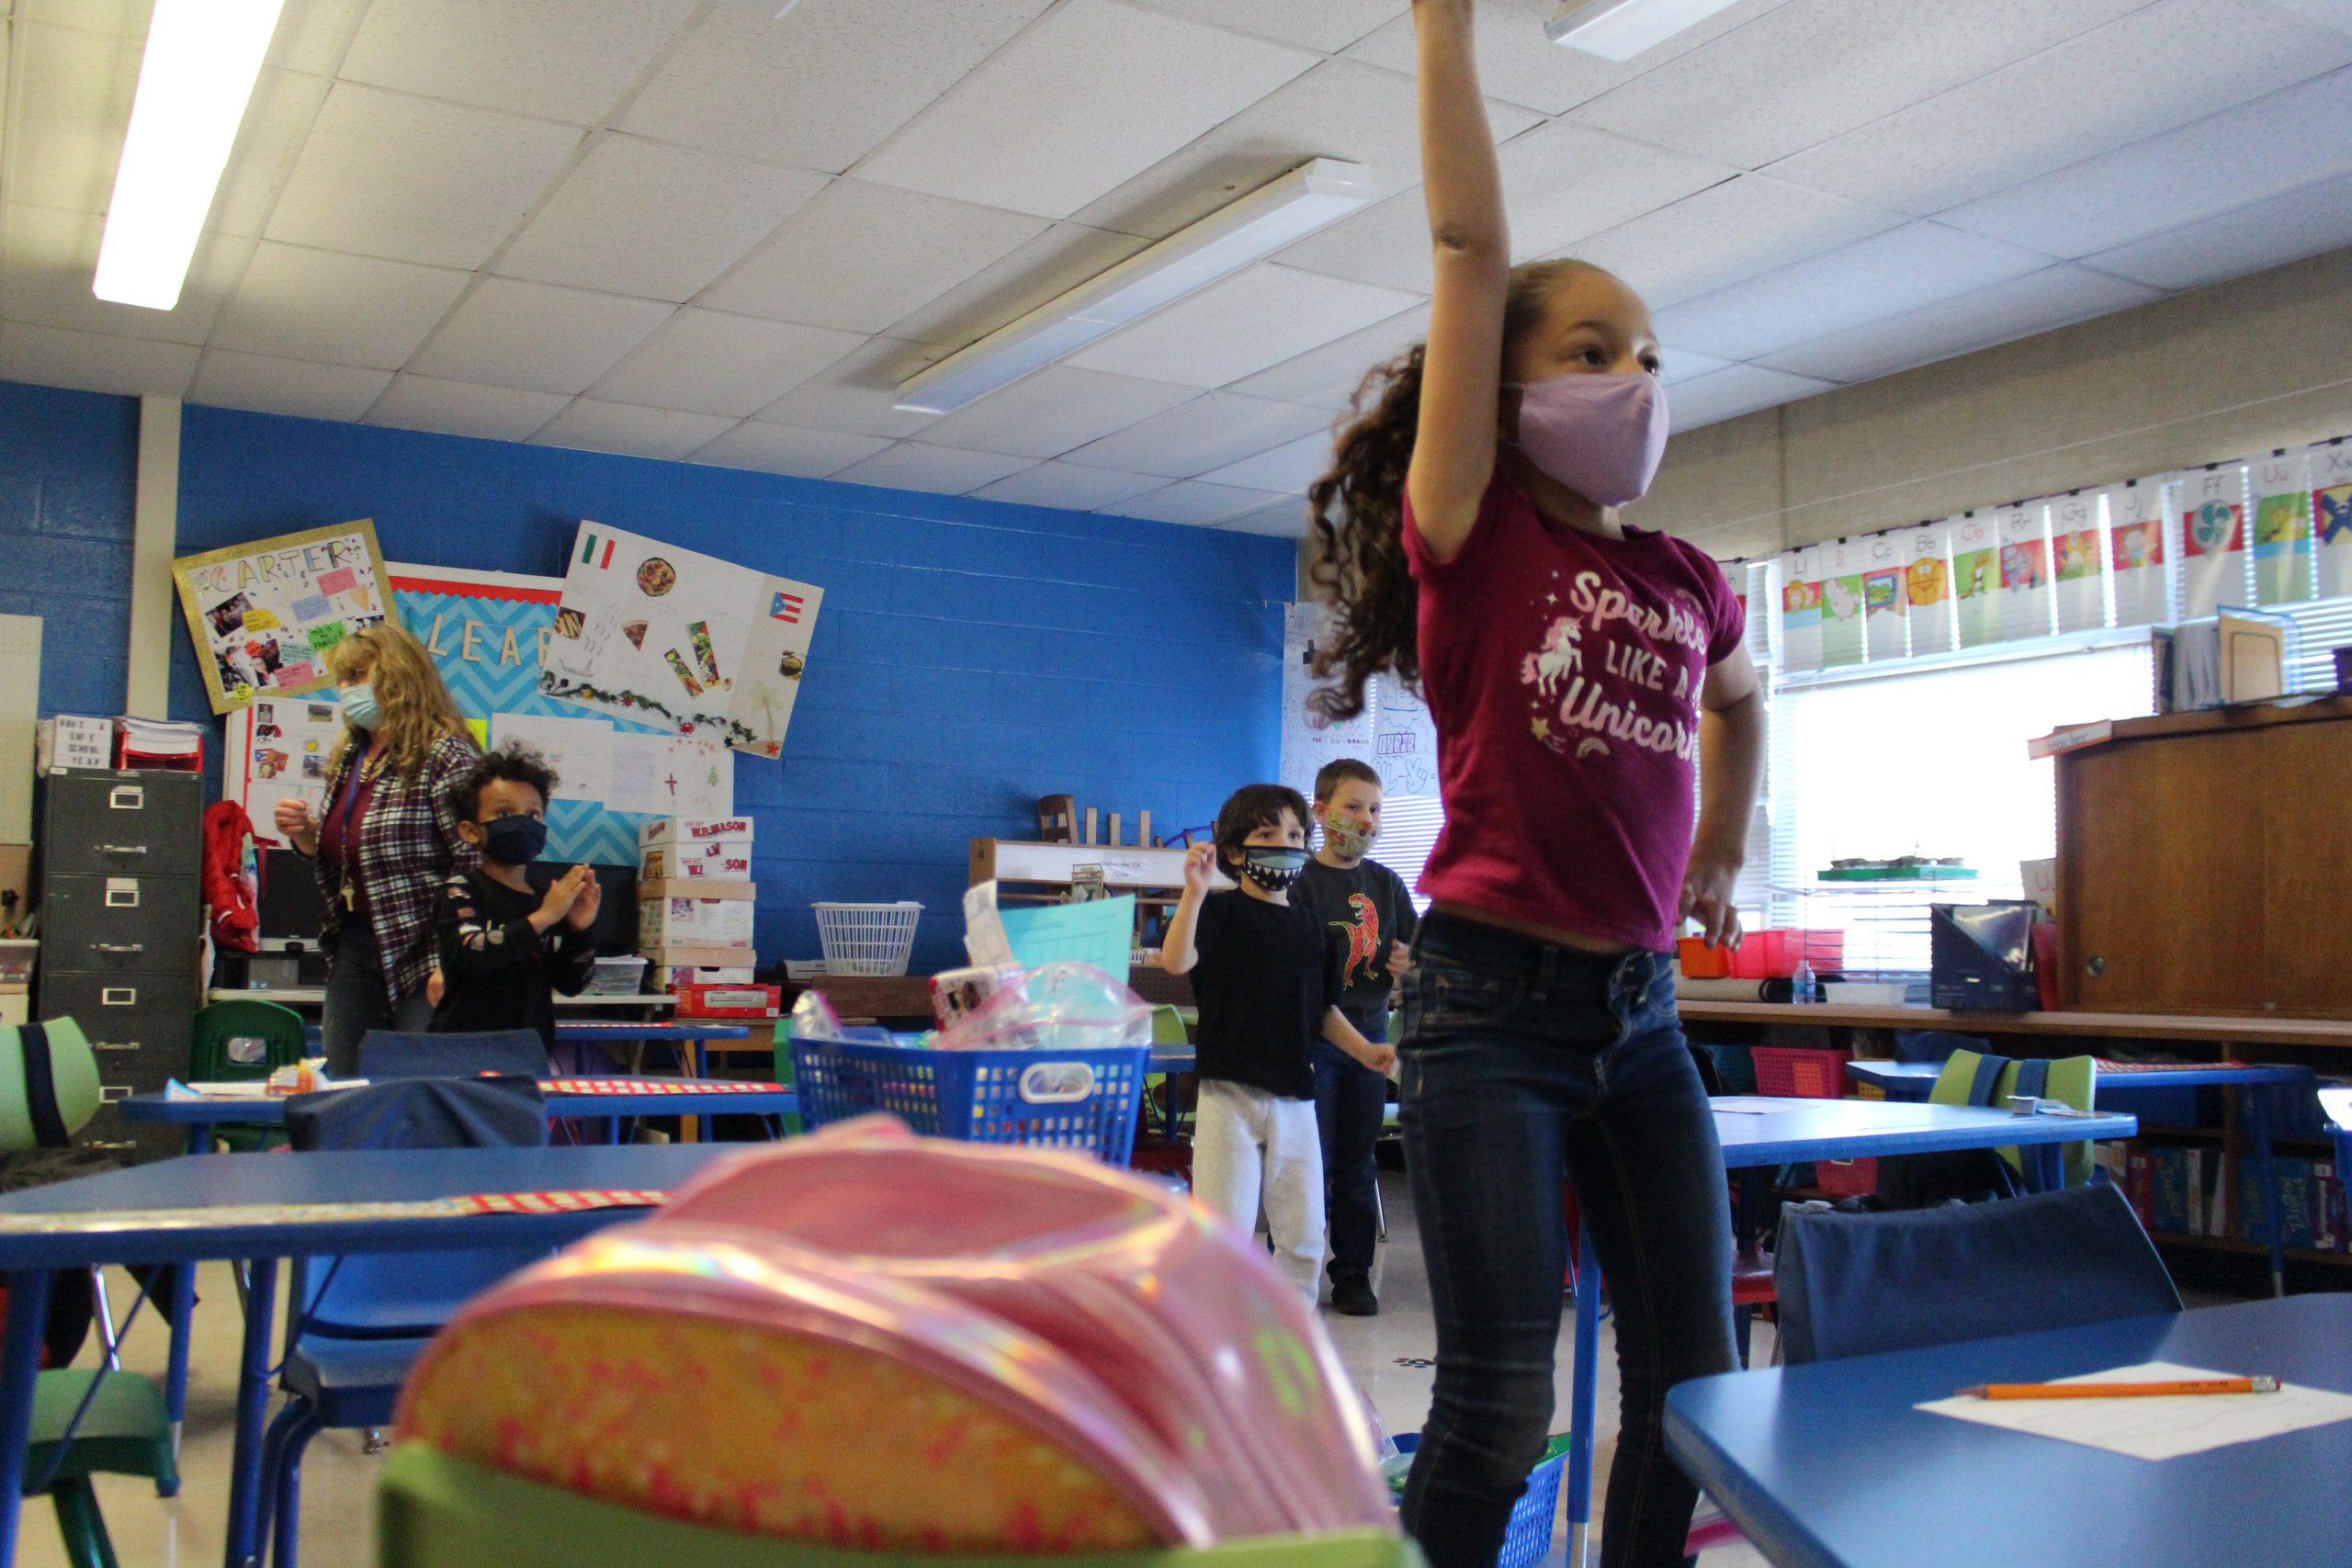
2023, 533
2135, 530
2078, 547
1842, 604
2331, 472
1926, 586
1801, 611
2282, 528
1976, 578
2212, 538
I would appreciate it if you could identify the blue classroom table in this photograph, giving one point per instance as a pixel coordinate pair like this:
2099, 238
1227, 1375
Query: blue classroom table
1793, 1132
1828, 1466
1912, 1081
171, 1211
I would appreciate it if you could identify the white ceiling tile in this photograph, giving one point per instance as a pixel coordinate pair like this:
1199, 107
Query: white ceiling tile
1070, 487
822, 87
2036, 303
640, 218
1211, 431
1741, 390
1339, 109
1325, 25
1286, 519
47, 258
1046, 267
943, 470
854, 394
312, 35
2294, 137
458, 408
1058, 408
1727, 233
1328, 378
1249, 321
2337, 14
861, 256
1883, 275
1682, 364
568, 60
94, 362
588, 425
265, 385
1195, 504
786, 449
1516, 61
1084, 101
2267, 233
408, 179
71, 101
1814, 69
1287, 469
114, 18
2146, 73
335, 310
269, 139
1560, 184
708, 362
536, 337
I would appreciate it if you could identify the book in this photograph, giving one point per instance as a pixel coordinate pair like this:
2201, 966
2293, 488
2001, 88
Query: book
2168, 1190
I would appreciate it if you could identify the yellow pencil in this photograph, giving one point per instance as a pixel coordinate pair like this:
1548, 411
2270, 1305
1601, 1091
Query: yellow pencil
2120, 1390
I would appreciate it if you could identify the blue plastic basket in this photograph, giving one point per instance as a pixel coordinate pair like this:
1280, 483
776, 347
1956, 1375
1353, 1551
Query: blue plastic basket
1064, 1099
1529, 1539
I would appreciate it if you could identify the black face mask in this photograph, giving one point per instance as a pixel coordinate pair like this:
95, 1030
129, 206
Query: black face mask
514, 840
1272, 867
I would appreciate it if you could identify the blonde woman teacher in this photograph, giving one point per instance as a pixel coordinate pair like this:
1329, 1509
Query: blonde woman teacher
390, 839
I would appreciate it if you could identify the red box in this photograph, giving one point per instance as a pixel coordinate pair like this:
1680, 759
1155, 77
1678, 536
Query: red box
1847, 1177
729, 1002
1800, 1071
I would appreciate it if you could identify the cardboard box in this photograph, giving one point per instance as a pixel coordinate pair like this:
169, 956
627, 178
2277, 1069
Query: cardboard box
695, 888
73, 740
729, 1002
665, 831
671, 969
695, 922
724, 860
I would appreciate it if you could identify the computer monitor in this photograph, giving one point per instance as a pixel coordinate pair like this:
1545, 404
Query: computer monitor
291, 910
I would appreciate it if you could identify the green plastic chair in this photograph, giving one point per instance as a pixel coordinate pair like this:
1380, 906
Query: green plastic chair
435, 1511
124, 1432
783, 1073
284, 1039
2073, 1081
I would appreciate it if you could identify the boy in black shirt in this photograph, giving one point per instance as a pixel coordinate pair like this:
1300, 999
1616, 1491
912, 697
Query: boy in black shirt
1367, 906
505, 950
1266, 977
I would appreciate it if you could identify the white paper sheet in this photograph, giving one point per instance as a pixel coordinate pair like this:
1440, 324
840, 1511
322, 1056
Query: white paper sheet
2156, 1427
578, 750
664, 775
1751, 1104
2337, 1105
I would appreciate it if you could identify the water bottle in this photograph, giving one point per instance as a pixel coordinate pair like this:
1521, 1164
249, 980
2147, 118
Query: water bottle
1801, 988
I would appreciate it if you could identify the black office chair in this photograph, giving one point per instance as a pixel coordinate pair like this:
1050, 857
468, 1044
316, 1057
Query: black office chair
386, 1053
1857, 1284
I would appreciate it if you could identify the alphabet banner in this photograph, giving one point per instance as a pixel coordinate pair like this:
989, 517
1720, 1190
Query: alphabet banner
2282, 529
1886, 597
2078, 545
2331, 465
1976, 578
2212, 538
2024, 536
1800, 634
1927, 552
2135, 523
1841, 603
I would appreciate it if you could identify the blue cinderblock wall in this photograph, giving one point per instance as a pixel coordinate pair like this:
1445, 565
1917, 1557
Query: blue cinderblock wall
970, 656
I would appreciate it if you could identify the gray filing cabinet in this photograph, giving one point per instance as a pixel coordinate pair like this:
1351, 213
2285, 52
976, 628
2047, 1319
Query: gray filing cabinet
120, 917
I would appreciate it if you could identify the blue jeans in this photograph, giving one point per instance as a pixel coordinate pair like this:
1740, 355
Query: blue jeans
359, 1000
1351, 1109
1523, 1064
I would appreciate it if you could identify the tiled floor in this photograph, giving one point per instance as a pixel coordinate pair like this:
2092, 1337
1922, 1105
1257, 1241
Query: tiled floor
338, 1515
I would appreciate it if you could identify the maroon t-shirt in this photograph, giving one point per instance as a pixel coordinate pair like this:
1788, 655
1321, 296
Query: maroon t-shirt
1563, 671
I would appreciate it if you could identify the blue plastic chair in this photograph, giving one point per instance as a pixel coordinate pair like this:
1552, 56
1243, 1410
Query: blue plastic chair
1857, 1284
386, 1054
363, 1323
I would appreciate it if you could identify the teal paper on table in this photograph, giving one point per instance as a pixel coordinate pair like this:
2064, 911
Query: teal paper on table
1100, 932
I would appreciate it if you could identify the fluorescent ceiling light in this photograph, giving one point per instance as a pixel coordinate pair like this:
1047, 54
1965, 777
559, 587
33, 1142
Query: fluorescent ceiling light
1620, 30
202, 59
1217, 247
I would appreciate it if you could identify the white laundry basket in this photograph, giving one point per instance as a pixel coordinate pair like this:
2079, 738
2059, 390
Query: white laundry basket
867, 939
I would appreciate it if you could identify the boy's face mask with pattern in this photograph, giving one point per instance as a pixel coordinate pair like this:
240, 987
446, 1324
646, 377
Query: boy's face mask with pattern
1274, 867
1347, 838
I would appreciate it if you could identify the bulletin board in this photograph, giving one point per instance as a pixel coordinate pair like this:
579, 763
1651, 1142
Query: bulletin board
488, 633
673, 638
263, 615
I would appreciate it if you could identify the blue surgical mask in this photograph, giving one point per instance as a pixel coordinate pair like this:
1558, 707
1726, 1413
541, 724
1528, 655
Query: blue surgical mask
514, 840
1272, 867
359, 706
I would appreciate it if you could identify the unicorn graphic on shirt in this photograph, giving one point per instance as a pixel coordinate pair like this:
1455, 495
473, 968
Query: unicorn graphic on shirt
1562, 657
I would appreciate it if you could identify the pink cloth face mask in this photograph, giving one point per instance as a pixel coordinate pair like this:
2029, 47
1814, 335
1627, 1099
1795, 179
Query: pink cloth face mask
1601, 434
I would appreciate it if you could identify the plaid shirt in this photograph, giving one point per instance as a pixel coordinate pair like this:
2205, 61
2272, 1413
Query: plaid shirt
408, 844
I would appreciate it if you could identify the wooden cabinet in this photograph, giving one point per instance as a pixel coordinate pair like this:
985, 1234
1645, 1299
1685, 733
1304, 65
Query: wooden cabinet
2205, 863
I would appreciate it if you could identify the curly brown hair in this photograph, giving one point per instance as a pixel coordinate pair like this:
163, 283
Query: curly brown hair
1357, 512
